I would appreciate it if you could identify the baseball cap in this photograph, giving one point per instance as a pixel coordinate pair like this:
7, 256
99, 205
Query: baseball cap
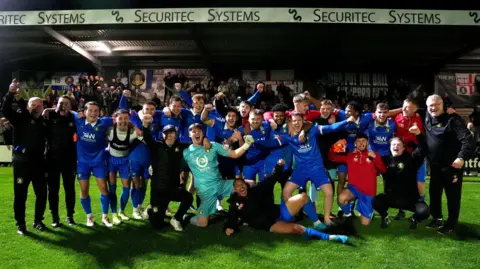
169, 128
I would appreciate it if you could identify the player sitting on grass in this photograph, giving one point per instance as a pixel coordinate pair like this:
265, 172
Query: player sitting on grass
255, 206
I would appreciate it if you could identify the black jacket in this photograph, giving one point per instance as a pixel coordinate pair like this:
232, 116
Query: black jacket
258, 206
326, 141
60, 137
29, 133
401, 174
167, 162
447, 139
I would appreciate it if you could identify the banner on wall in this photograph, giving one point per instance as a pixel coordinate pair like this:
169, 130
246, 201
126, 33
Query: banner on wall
242, 15
258, 75
41, 84
461, 91
366, 85
465, 83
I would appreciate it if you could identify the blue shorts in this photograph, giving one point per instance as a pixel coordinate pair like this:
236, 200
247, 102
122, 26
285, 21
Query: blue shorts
120, 165
84, 170
342, 168
284, 213
139, 169
422, 172
250, 172
316, 175
364, 204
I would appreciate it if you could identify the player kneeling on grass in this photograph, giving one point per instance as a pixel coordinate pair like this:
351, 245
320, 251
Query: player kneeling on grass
204, 167
255, 206
401, 188
363, 167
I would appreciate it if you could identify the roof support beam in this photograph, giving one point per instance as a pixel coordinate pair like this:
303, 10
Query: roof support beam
67, 42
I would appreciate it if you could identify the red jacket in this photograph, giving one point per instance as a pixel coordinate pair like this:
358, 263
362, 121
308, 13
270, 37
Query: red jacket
310, 115
362, 172
403, 124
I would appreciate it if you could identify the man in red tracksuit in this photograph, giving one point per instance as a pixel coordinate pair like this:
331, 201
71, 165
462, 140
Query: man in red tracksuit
363, 167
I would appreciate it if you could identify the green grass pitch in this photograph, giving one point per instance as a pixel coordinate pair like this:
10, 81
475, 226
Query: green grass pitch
133, 244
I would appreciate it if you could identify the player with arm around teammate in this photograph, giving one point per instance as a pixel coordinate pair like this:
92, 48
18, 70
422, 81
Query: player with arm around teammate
204, 167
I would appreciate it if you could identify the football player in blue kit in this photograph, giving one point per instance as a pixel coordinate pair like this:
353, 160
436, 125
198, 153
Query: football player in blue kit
381, 131
309, 165
91, 146
120, 140
255, 157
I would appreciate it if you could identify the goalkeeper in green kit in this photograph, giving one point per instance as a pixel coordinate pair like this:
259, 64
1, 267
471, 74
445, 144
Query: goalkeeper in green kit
204, 167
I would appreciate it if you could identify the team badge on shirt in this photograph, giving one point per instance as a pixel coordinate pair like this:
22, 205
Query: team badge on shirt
201, 212
400, 165
368, 160
19, 180
177, 150
438, 125
355, 159
95, 128
155, 209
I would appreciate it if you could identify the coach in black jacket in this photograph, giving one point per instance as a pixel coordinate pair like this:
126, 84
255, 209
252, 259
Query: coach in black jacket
449, 143
401, 189
166, 185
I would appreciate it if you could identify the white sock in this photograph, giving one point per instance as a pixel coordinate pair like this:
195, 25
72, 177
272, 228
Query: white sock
316, 223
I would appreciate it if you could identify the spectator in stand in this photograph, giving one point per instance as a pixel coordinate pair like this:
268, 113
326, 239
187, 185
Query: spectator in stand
156, 100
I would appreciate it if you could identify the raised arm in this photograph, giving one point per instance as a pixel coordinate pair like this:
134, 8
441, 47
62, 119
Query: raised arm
235, 154
254, 98
204, 116
124, 100
147, 134
7, 110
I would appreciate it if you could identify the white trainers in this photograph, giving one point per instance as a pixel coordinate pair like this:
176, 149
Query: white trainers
106, 221
176, 225
144, 214
90, 222
136, 214
123, 216
116, 220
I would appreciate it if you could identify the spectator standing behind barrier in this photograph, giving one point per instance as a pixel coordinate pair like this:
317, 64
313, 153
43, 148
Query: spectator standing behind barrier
28, 157
449, 143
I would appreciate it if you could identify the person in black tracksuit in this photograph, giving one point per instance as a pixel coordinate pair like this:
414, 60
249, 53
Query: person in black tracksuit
61, 158
401, 190
449, 143
166, 185
28, 157
255, 206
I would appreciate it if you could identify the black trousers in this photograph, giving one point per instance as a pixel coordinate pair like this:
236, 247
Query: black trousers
23, 173
382, 202
159, 200
67, 169
441, 179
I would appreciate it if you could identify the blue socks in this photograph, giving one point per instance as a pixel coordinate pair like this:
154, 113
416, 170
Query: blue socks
112, 193
312, 233
347, 209
422, 198
133, 195
124, 198
86, 204
311, 212
105, 202
141, 195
